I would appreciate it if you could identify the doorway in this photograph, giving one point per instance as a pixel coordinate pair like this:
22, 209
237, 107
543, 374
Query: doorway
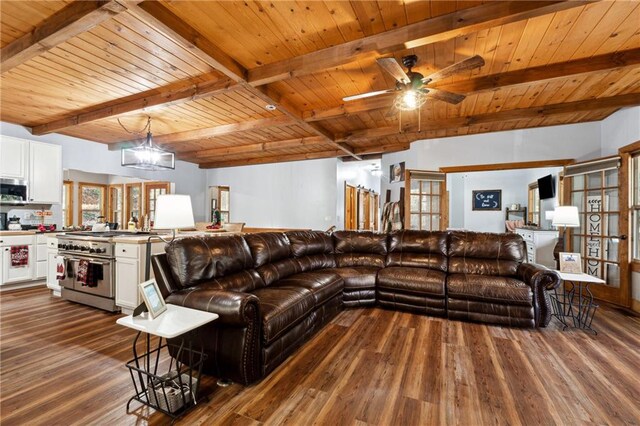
350, 207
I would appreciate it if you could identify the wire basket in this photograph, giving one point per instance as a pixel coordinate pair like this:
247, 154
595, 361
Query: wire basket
170, 393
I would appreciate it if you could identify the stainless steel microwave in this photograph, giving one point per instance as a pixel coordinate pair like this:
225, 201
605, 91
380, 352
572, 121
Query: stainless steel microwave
13, 192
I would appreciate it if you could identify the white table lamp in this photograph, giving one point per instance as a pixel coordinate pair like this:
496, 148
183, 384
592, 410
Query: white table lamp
566, 216
173, 211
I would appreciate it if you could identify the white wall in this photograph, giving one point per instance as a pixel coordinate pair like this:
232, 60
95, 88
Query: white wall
355, 173
577, 141
95, 157
514, 185
299, 194
620, 129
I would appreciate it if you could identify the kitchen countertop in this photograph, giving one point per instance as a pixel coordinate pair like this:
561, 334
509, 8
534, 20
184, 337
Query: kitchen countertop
142, 239
30, 232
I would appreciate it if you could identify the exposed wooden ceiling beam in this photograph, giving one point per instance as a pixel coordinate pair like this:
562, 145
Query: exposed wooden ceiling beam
500, 116
273, 159
165, 21
610, 61
76, 18
440, 28
204, 154
172, 94
364, 157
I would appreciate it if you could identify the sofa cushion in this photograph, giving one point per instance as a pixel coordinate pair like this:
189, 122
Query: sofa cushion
316, 261
357, 277
306, 243
268, 247
420, 249
278, 270
484, 253
360, 242
346, 260
412, 280
489, 289
195, 260
323, 284
281, 308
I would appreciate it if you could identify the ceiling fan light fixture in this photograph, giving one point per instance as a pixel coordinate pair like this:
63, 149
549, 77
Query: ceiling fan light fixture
410, 100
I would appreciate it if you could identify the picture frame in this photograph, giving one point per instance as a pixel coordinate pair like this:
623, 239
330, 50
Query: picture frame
570, 263
487, 200
153, 298
396, 172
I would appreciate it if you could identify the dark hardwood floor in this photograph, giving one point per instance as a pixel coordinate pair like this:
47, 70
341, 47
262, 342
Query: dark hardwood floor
63, 363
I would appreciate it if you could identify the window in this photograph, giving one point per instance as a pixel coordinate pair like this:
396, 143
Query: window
151, 192
133, 193
67, 203
92, 202
534, 203
635, 204
223, 201
116, 195
425, 200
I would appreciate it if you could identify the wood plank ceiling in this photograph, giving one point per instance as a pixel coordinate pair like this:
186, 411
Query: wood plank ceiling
205, 70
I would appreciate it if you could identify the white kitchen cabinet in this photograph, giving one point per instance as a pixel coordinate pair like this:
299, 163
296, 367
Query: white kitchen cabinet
16, 274
540, 245
45, 173
130, 272
14, 154
52, 272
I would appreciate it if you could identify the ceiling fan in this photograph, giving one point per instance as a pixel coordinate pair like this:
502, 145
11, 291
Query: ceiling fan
412, 86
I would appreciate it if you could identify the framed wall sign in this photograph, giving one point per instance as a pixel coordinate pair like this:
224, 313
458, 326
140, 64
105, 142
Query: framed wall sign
396, 172
487, 199
153, 298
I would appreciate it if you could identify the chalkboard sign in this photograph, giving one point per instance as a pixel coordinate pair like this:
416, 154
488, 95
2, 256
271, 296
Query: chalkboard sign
488, 199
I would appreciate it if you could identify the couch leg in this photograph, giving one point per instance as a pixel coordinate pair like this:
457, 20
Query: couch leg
223, 383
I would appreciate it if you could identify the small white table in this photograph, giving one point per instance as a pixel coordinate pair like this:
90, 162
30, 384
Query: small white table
565, 303
176, 391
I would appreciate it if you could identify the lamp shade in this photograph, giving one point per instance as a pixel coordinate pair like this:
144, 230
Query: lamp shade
567, 216
173, 211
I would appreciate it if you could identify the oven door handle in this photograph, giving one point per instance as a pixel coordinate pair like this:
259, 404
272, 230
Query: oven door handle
99, 263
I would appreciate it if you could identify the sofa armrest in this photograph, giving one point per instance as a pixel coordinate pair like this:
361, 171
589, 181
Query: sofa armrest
233, 307
541, 280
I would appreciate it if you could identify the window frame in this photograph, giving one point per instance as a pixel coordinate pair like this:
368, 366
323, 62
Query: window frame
148, 186
67, 206
634, 206
430, 177
531, 203
110, 209
127, 191
103, 204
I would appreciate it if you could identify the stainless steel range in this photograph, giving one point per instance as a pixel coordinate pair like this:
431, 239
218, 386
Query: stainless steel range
89, 259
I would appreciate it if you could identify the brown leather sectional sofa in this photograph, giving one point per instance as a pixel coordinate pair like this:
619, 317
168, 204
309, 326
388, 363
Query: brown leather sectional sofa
273, 291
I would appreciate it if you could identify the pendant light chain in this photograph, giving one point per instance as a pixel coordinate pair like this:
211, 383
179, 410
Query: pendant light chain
146, 126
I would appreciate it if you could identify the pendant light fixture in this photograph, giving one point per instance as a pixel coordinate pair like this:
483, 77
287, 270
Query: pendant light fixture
147, 156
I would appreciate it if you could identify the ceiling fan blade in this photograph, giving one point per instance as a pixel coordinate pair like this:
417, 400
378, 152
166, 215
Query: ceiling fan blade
392, 66
443, 95
464, 65
367, 95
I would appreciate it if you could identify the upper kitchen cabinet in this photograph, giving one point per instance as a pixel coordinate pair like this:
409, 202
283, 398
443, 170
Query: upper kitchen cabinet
45, 173
38, 163
14, 154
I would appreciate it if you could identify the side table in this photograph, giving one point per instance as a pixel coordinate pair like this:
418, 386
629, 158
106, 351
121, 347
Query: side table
173, 390
574, 307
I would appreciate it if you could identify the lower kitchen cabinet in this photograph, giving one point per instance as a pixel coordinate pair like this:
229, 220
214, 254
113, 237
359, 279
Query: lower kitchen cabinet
130, 272
52, 272
11, 274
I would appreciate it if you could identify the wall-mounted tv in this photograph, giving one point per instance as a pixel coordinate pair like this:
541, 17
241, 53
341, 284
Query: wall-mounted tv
546, 187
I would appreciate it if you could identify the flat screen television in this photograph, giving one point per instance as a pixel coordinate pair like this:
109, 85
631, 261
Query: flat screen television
546, 187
